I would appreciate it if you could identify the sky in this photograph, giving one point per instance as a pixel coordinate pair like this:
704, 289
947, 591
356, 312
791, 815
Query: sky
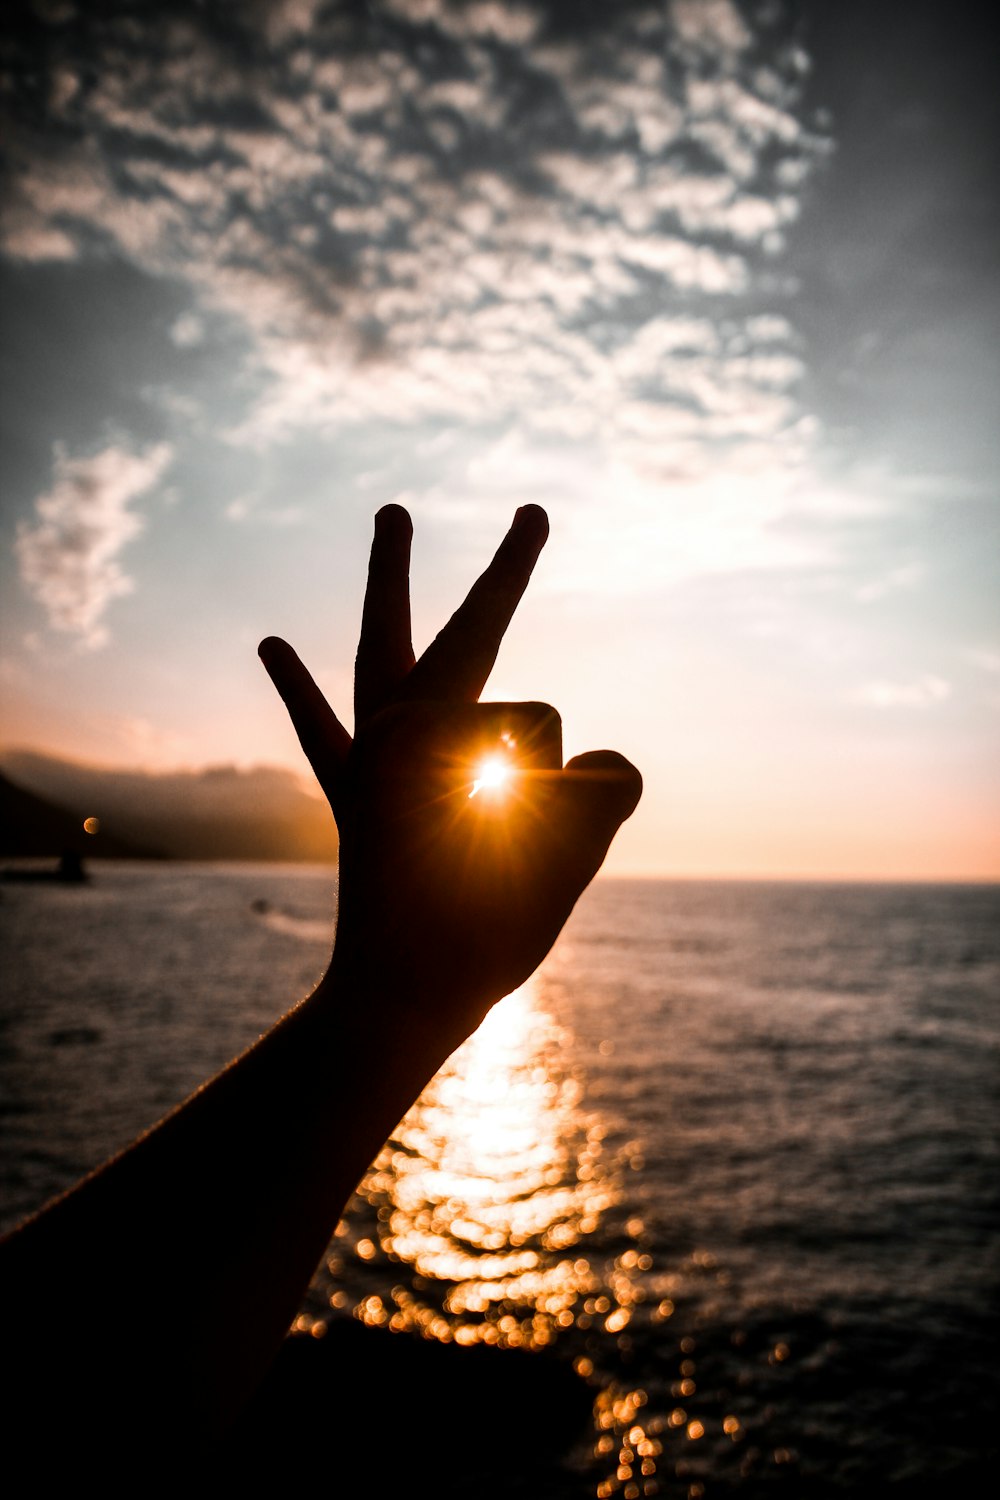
715, 283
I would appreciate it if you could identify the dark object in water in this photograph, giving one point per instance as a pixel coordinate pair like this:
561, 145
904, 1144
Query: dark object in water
69, 871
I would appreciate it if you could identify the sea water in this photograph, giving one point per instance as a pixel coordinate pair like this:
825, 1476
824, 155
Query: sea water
732, 1152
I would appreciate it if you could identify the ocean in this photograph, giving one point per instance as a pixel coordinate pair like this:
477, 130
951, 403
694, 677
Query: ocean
731, 1154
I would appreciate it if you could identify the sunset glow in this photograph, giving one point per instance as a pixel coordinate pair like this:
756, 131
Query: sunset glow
492, 777
641, 265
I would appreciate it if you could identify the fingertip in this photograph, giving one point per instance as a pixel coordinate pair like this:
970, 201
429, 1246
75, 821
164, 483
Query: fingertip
620, 780
271, 647
392, 517
531, 521
281, 663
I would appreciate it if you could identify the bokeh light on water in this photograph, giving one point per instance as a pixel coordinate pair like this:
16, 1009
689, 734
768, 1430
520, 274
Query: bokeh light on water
491, 1214
488, 1193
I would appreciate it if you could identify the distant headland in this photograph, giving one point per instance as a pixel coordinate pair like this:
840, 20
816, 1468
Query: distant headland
49, 806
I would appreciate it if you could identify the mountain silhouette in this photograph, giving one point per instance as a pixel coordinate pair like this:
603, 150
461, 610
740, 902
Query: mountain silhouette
31, 826
218, 813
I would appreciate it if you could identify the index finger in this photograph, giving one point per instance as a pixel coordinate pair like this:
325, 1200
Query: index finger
459, 660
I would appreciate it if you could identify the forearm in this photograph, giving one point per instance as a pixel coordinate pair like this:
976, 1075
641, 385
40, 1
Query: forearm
189, 1254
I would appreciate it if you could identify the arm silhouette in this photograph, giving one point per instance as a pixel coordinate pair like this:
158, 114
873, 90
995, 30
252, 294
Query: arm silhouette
189, 1253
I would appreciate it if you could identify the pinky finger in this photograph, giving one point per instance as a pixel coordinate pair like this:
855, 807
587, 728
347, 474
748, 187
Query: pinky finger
322, 736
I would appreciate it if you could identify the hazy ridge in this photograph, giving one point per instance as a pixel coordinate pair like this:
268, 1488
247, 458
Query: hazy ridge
220, 812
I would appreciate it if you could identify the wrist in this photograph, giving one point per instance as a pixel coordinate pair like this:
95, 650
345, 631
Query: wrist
396, 1000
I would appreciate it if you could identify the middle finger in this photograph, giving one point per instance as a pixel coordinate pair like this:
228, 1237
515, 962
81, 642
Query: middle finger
459, 660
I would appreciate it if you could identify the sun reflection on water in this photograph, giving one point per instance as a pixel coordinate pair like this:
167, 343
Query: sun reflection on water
495, 1215
488, 1191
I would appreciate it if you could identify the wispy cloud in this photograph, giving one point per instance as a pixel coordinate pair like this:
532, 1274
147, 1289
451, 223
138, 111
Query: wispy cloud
69, 556
427, 211
984, 657
924, 691
904, 576
248, 508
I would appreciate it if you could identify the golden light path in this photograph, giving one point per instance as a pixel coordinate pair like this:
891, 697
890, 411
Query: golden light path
487, 1194
480, 1223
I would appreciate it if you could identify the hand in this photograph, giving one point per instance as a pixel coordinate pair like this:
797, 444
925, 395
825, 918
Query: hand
450, 895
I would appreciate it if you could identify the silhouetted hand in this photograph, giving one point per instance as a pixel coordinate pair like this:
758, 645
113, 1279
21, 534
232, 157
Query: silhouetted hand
452, 888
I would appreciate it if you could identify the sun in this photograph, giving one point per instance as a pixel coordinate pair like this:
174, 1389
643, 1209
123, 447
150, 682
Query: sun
492, 776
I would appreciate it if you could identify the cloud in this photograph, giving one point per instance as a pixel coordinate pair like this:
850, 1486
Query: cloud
984, 657
500, 20
187, 331
247, 508
905, 576
919, 692
425, 211
69, 557
148, 744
